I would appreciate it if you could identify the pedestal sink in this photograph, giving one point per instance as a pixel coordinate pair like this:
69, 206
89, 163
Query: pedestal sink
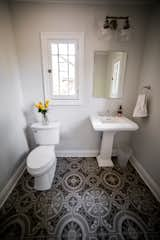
109, 126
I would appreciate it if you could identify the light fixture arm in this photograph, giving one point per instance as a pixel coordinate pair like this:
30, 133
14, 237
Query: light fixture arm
122, 18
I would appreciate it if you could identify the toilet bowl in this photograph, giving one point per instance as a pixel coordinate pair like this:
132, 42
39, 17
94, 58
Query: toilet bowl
41, 162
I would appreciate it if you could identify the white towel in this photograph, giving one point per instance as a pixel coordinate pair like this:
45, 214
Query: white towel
140, 109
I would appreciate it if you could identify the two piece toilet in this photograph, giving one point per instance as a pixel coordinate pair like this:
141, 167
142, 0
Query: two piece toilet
41, 162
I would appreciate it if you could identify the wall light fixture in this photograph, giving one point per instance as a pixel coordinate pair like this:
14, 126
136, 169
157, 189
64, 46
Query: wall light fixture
119, 25
112, 22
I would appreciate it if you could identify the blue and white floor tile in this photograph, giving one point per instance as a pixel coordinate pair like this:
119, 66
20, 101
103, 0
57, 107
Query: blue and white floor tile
85, 202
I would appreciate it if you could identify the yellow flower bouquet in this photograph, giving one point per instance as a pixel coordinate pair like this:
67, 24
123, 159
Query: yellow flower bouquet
43, 109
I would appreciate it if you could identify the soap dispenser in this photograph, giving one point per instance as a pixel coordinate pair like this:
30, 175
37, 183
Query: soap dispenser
120, 111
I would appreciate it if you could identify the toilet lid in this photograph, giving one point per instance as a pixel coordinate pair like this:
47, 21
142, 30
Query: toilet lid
40, 157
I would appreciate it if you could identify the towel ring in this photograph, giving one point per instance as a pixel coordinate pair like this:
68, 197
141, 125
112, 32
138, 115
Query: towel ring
148, 87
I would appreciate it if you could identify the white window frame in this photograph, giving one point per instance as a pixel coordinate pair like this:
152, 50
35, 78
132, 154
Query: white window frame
77, 37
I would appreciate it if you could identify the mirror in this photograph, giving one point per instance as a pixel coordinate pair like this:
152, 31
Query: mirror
109, 73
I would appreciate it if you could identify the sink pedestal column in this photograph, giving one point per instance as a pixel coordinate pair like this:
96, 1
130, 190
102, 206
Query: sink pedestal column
104, 158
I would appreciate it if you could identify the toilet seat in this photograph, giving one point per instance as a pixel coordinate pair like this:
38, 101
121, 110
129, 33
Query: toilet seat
40, 160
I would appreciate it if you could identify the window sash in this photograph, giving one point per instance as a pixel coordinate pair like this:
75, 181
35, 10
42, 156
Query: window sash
50, 75
63, 36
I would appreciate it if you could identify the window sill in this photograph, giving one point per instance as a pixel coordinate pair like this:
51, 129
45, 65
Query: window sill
65, 102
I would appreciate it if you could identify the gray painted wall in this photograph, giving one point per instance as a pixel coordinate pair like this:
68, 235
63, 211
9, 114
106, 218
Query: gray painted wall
13, 143
31, 19
146, 142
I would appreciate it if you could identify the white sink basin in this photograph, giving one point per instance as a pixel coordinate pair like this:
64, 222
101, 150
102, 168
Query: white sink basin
109, 126
104, 123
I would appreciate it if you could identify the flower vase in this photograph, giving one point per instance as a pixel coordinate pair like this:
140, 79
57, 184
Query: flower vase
44, 119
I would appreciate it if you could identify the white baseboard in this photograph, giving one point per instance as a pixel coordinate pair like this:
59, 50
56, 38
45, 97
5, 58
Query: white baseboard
77, 153
81, 153
6, 191
153, 186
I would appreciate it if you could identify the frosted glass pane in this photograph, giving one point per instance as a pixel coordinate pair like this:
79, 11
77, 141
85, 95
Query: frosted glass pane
72, 60
54, 60
71, 49
71, 72
63, 67
55, 83
63, 83
54, 48
71, 88
63, 48
63, 76
63, 58
64, 88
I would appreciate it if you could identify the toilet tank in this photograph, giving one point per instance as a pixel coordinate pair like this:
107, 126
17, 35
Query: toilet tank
46, 134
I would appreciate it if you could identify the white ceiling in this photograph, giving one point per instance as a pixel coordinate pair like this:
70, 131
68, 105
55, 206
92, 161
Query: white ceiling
132, 2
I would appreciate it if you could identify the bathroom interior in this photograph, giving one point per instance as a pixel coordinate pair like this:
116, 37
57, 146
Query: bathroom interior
79, 119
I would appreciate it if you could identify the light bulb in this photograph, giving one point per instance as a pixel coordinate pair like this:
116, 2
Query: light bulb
107, 33
124, 34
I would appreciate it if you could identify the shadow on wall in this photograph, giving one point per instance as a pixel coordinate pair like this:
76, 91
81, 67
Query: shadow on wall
30, 117
79, 131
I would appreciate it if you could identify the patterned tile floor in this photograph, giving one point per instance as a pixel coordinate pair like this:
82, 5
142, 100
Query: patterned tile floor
85, 202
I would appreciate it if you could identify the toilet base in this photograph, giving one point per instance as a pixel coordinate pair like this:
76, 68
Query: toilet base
44, 182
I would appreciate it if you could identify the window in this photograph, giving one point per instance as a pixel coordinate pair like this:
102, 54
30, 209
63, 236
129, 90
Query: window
63, 69
62, 55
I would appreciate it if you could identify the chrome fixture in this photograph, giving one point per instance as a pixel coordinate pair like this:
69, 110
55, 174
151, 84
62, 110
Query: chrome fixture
126, 25
113, 27
112, 22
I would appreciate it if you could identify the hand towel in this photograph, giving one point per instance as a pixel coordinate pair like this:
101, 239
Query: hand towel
140, 109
